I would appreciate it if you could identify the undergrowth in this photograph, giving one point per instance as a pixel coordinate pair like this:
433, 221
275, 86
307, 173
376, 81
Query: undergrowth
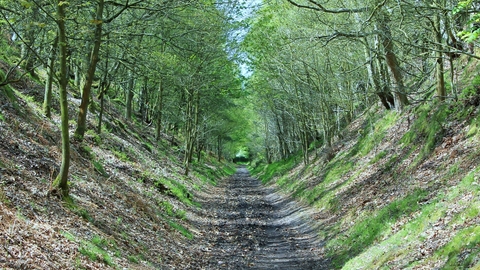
268, 172
363, 234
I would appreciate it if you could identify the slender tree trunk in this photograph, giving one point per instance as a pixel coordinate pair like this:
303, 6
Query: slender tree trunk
103, 88
268, 156
143, 99
189, 129
158, 111
219, 148
61, 180
195, 124
131, 83
441, 93
47, 101
83, 109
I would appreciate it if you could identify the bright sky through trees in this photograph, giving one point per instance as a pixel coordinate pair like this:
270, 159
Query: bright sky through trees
240, 17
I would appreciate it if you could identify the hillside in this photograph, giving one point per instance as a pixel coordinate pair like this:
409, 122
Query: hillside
396, 190
130, 204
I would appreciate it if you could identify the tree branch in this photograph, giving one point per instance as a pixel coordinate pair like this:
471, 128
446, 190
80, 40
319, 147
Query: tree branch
125, 7
336, 35
319, 7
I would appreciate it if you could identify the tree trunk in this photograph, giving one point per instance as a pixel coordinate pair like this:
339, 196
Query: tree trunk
219, 148
143, 100
401, 98
61, 180
28, 43
128, 109
441, 93
385, 96
47, 101
191, 124
103, 88
268, 156
83, 109
158, 111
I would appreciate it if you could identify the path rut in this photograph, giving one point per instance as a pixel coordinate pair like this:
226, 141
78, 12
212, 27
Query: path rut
255, 227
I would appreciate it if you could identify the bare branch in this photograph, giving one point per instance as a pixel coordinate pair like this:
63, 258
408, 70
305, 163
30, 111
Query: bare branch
319, 7
125, 7
336, 35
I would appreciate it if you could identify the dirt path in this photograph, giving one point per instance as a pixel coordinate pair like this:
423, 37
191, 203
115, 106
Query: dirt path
256, 228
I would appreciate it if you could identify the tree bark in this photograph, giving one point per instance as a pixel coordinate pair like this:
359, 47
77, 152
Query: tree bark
143, 100
47, 101
158, 111
190, 127
27, 46
401, 98
129, 101
441, 93
83, 109
60, 181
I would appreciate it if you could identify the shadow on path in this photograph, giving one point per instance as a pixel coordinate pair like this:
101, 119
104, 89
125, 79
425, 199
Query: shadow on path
256, 228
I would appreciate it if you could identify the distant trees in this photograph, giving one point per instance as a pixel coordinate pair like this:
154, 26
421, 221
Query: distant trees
317, 64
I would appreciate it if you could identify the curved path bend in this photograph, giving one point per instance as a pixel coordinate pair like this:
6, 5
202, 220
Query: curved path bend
255, 227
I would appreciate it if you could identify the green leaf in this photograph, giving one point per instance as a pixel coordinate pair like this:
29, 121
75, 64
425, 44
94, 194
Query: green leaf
26, 4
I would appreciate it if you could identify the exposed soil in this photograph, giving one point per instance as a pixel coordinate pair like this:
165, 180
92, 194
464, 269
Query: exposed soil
253, 227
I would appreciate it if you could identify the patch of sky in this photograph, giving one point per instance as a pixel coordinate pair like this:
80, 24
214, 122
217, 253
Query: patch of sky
238, 13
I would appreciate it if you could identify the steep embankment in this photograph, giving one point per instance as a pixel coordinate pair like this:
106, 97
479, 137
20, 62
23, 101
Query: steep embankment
398, 190
129, 201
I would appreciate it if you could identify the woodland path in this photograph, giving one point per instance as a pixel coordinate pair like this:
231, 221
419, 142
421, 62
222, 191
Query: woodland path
255, 227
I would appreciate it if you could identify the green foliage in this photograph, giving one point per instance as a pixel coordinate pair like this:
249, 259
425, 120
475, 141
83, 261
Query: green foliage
95, 251
184, 231
133, 258
68, 235
463, 250
229, 170
170, 211
3, 198
176, 189
95, 137
322, 191
69, 202
474, 126
99, 168
468, 92
87, 150
471, 33
364, 233
427, 129
374, 132
208, 174
269, 171
120, 155
378, 157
